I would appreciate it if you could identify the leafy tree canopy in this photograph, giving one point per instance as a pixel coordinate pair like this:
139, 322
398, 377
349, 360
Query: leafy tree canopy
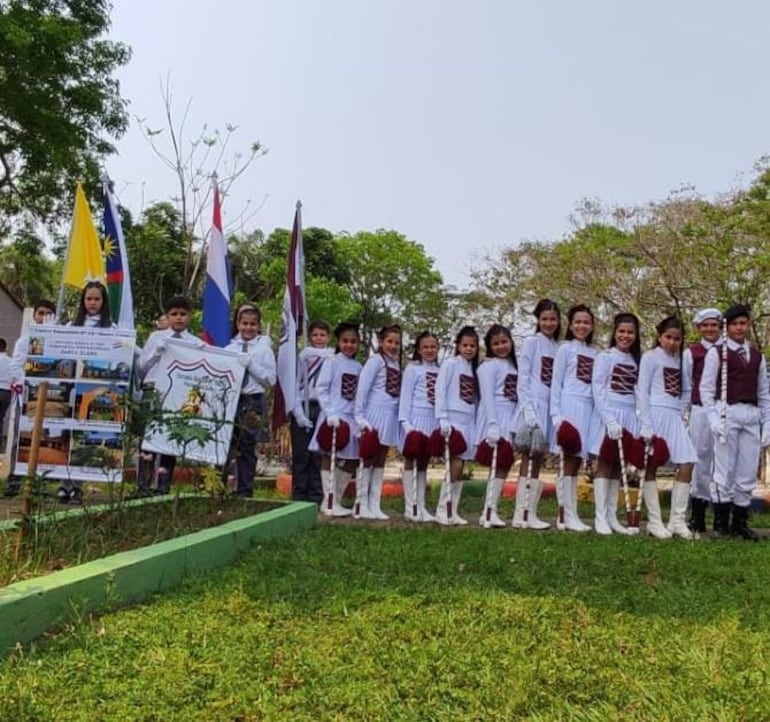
60, 106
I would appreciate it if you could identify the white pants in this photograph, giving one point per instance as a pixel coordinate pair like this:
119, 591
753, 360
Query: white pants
737, 461
703, 441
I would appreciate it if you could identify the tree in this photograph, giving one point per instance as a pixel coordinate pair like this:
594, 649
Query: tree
156, 257
195, 163
26, 270
60, 106
392, 279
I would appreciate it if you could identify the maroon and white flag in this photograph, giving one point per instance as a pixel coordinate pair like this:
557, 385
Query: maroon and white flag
292, 326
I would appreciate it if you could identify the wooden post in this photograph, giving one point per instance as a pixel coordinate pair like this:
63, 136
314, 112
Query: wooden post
34, 453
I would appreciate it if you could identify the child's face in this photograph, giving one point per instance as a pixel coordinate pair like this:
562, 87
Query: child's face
738, 329
548, 321
248, 326
581, 325
92, 301
319, 338
625, 335
391, 345
709, 330
178, 319
467, 347
671, 340
500, 345
348, 343
428, 349
42, 314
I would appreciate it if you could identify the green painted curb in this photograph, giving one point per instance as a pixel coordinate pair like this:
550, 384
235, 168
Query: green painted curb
29, 608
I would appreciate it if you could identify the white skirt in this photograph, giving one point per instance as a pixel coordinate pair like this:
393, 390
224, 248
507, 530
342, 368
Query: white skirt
578, 411
350, 451
506, 420
385, 420
624, 415
427, 424
465, 424
668, 424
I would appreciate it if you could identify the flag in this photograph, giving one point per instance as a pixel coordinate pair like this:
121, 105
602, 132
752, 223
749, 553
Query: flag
216, 292
292, 326
118, 276
84, 260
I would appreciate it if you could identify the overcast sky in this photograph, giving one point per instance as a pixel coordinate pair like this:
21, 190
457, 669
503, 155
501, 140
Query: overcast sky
463, 125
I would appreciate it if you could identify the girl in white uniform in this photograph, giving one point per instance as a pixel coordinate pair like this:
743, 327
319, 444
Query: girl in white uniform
662, 399
456, 399
572, 403
336, 389
614, 390
496, 415
534, 391
417, 412
93, 312
376, 409
94, 307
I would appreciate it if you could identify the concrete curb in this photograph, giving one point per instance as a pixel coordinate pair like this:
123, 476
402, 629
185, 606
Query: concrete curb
29, 608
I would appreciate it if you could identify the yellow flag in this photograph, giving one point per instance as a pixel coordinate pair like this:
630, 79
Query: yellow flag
85, 261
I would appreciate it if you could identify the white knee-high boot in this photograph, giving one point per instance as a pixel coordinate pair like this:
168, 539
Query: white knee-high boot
444, 499
410, 499
489, 517
521, 501
457, 491
572, 521
613, 492
341, 481
535, 492
601, 491
654, 518
327, 484
363, 480
375, 494
423, 515
677, 525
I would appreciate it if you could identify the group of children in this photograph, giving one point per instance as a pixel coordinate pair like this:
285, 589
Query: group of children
613, 407
705, 410
154, 475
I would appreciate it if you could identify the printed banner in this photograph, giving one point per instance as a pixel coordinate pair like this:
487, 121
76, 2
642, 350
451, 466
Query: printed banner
88, 371
199, 387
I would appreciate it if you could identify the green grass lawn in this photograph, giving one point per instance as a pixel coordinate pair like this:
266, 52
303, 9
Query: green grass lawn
356, 622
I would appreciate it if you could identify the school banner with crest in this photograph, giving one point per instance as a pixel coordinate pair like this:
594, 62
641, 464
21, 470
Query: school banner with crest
88, 375
198, 386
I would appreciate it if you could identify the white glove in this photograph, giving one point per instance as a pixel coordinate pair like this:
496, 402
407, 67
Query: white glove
646, 433
243, 360
333, 420
764, 440
530, 418
160, 349
493, 435
614, 430
363, 424
201, 344
407, 427
718, 427
302, 420
557, 422
445, 427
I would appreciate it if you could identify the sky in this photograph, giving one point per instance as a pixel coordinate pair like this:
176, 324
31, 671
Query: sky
466, 126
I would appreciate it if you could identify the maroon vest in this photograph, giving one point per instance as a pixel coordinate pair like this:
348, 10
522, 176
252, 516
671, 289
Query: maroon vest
698, 352
742, 377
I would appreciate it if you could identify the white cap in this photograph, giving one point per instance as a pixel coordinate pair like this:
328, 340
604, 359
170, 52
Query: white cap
706, 314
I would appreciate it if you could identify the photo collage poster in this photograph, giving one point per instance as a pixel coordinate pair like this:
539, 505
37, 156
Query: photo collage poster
88, 371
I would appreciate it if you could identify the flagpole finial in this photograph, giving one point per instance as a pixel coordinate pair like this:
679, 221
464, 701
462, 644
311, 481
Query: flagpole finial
299, 204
